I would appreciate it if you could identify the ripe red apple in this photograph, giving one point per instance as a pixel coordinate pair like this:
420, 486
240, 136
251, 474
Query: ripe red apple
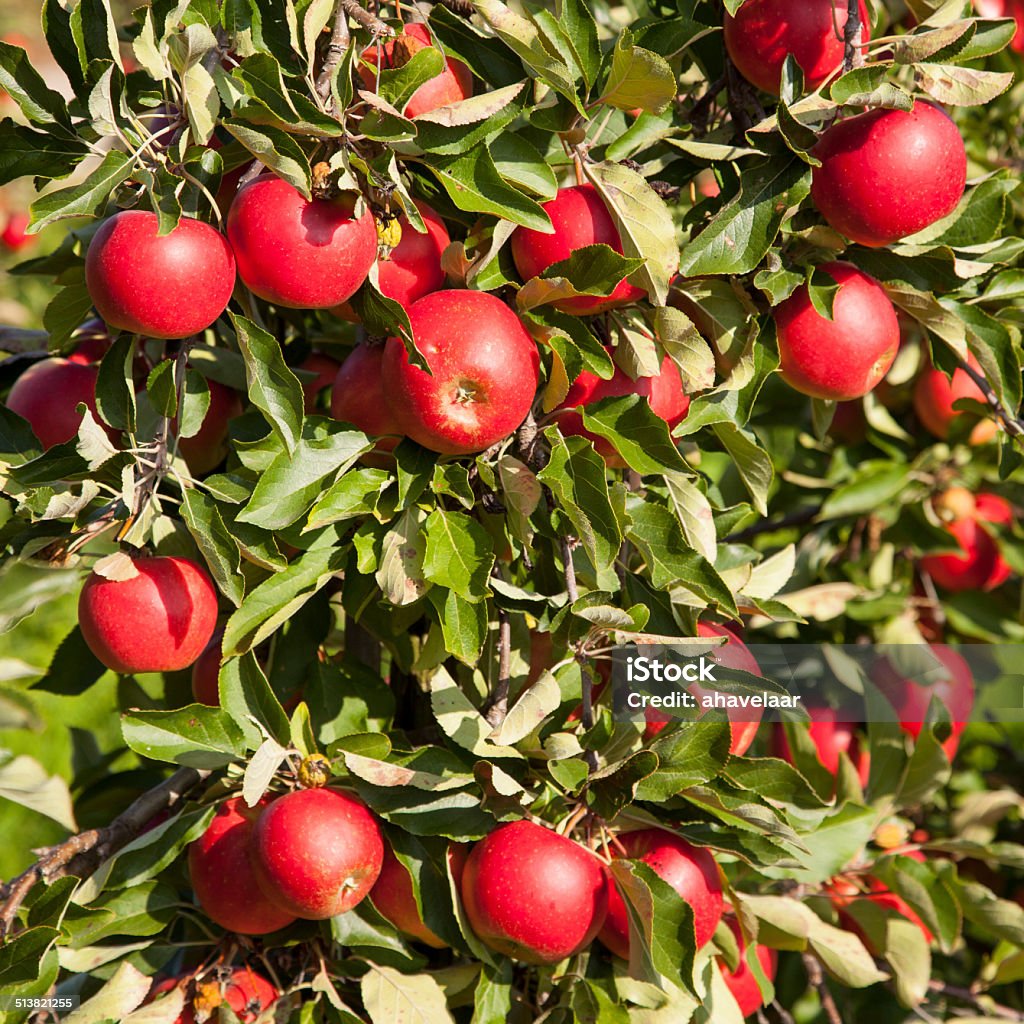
206, 672
911, 699
706, 184
48, 394
358, 398
742, 982
734, 654
664, 394
690, 870
1005, 9
243, 990
888, 174
484, 373
532, 894
206, 449
306, 254
580, 218
845, 893
831, 737
223, 879
763, 32
454, 83
981, 566
157, 621
393, 896
14, 237
317, 852
844, 357
934, 395
326, 369
161, 286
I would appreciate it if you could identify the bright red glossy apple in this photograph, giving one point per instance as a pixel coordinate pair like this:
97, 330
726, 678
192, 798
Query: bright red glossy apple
326, 369
532, 894
358, 398
223, 879
14, 237
934, 395
742, 982
664, 394
690, 870
980, 566
763, 32
206, 449
392, 894
844, 357
831, 737
484, 373
454, 83
161, 286
48, 394
734, 654
305, 254
580, 218
888, 174
911, 699
317, 852
157, 621
243, 990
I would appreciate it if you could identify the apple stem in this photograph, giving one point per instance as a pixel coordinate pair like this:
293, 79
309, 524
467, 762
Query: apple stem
852, 37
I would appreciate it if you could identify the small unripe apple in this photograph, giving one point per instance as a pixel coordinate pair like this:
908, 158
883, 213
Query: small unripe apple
888, 174
844, 357
317, 852
223, 879
48, 394
831, 737
484, 373
980, 566
664, 394
454, 83
532, 894
392, 894
580, 218
358, 398
690, 870
911, 699
206, 449
161, 286
742, 982
736, 655
326, 369
157, 621
305, 254
763, 32
934, 395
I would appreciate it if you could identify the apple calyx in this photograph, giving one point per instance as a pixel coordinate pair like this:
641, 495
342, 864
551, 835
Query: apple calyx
315, 772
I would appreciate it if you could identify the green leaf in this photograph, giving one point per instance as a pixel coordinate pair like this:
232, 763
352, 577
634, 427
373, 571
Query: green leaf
693, 510
687, 756
24, 781
872, 486
277, 150
115, 389
463, 624
215, 541
492, 1000
753, 463
459, 554
638, 78
197, 736
26, 152
396, 85
639, 436
85, 199
590, 270
391, 997
355, 494
21, 956
20, 80
401, 575
961, 86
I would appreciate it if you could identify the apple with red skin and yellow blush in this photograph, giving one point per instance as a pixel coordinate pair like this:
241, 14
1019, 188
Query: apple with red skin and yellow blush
245, 991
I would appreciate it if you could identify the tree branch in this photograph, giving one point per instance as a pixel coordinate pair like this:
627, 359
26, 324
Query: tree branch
975, 1001
23, 340
853, 56
496, 707
82, 854
1013, 426
816, 977
463, 8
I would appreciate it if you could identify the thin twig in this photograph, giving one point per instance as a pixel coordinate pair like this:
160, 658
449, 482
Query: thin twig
335, 51
82, 854
853, 56
1013, 426
363, 17
463, 8
796, 518
973, 999
496, 707
816, 977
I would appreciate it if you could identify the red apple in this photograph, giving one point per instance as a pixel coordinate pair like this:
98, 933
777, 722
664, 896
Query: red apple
580, 218
484, 373
243, 990
157, 621
393, 896
981, 566
162, 286
763, 32
831, 737
690, 870
888, 174
734, 654
664, 394
317, 852
849, 424
14, 237
326, 369
532, 894
222, 874
934, 395
454, 83
844, 893
358, 397
742, 982
206, 673
48, 394
706, 184
1005, 9
844, 357
206, 449
306, 254
911, 699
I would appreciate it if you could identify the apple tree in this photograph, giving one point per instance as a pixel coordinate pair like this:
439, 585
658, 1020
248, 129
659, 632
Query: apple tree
399, 363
